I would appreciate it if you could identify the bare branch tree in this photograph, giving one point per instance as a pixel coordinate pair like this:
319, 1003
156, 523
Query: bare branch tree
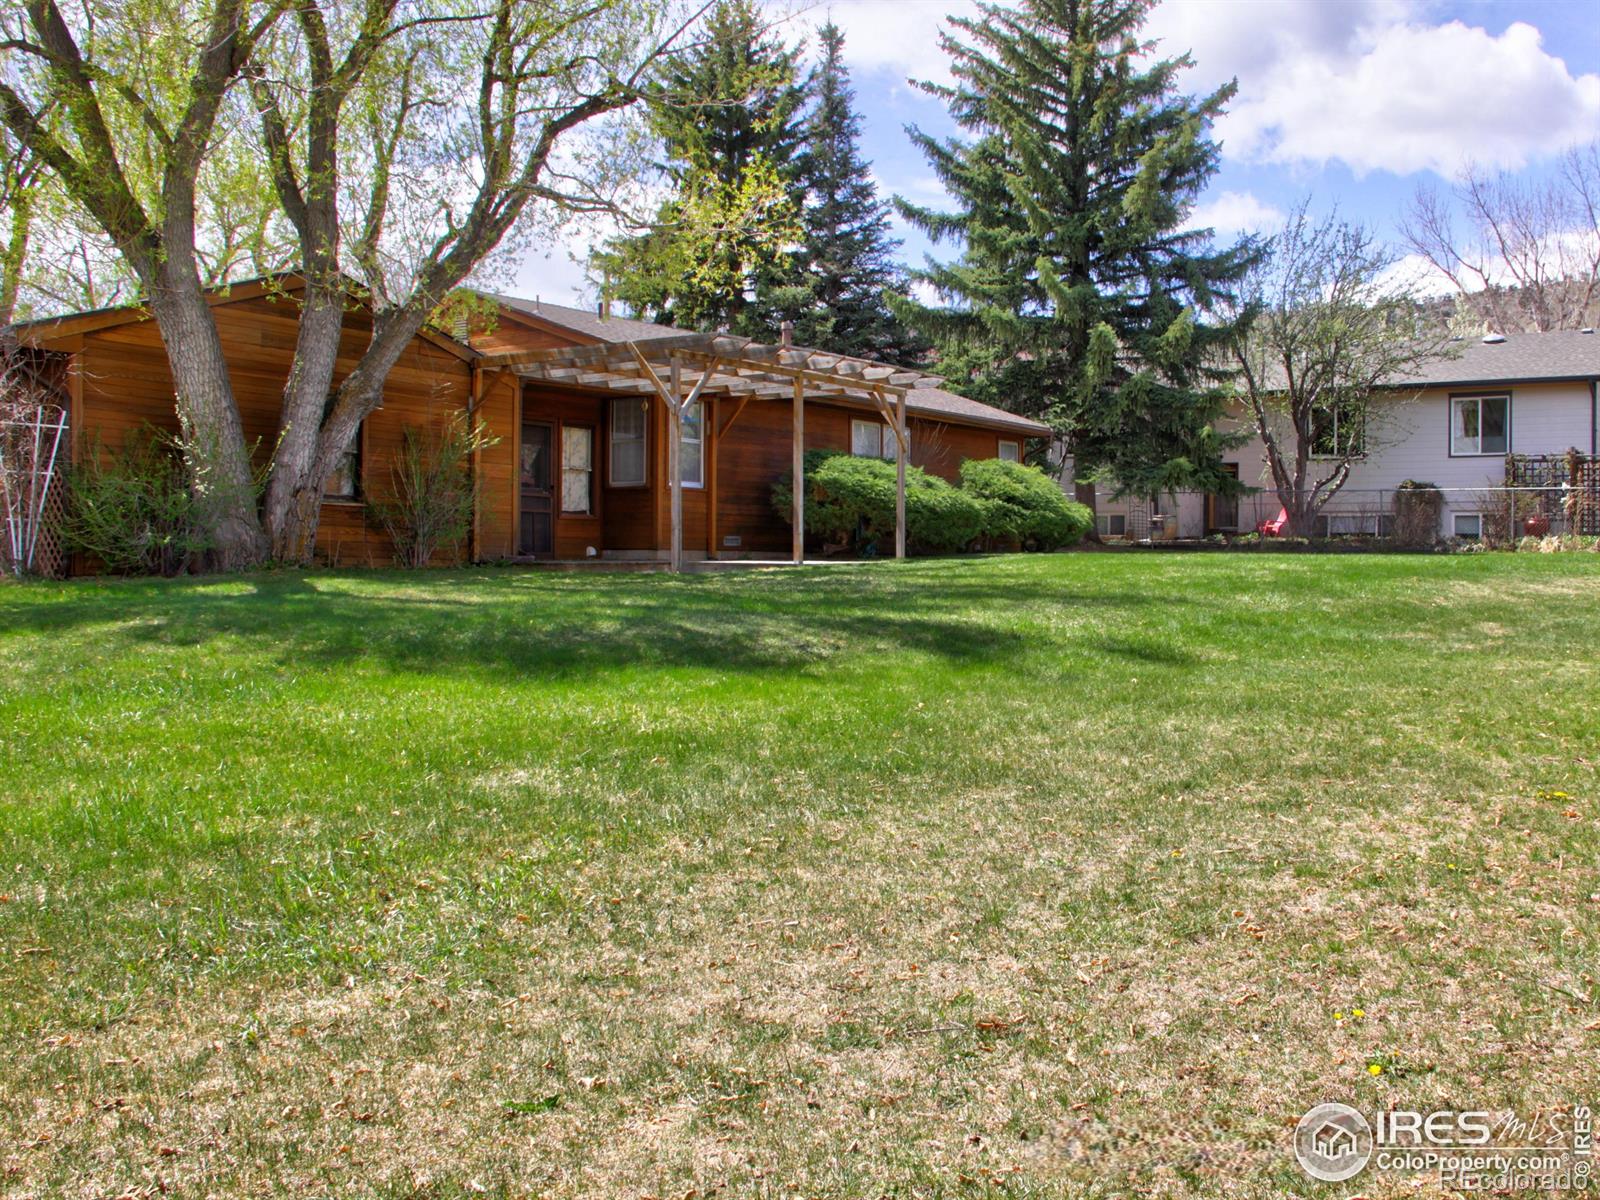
1525, 256
1327, 342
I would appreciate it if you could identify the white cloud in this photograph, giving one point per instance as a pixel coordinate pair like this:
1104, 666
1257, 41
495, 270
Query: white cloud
1235, 212
1419, 98
897, 37
1376, 86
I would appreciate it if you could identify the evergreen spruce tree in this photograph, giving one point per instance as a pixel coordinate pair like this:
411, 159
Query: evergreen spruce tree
848, 255
730, 117
1078, 297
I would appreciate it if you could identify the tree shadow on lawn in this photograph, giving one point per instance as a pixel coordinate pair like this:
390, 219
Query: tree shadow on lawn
539, 625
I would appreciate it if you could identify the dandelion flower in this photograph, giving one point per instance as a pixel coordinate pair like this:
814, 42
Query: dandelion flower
1375, 1069
1337, 1015
1358, 1012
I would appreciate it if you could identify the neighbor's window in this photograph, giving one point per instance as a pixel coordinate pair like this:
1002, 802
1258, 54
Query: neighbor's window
1480, 424
344, 481
1111, 525
628, 441
577, 469
1338, 432
691, 454
1010, 451
1468, 525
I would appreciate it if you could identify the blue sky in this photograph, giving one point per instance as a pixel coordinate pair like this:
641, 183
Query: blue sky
1353, 103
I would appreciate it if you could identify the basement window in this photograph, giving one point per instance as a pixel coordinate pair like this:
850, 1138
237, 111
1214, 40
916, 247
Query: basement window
1468, 526
1111, 524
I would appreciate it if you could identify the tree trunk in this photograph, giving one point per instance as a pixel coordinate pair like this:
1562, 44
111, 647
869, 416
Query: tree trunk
219, 461
294, 493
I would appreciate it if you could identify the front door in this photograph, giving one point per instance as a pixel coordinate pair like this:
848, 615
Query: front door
1223, 511
537, 535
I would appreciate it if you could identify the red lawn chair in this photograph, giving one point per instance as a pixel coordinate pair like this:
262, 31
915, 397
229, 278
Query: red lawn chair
1274, 527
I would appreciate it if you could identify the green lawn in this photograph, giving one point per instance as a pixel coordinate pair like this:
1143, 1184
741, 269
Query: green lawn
1021, 876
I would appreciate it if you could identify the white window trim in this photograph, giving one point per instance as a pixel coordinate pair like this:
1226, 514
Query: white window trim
1016, 446
686, 440
1450, 413
1477, 516
611, 446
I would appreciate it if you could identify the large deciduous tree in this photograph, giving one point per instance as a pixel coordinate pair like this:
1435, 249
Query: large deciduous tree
122, 107
403, 143
1328, 341
1080, 296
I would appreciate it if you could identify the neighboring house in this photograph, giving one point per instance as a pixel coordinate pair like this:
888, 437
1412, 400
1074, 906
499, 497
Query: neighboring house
1453, 425
581, 466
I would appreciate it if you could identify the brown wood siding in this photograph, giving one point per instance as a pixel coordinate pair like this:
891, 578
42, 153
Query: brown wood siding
126, 383
509, 333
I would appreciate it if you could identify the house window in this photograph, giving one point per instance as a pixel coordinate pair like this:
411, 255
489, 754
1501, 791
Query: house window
344, 481
1111, 524
1468, 525
1480, 425
1338, 432
628, 439
691, 452
871, 439
1010, 451
577, 469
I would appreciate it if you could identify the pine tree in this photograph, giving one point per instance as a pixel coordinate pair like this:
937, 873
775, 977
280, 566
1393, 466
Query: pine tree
1079, 297
729, 115
848, 255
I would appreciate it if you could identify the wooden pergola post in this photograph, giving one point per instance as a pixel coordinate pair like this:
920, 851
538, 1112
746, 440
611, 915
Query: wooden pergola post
902, 452
799, 451
675, 464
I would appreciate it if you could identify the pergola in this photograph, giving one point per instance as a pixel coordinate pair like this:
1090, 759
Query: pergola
682, 369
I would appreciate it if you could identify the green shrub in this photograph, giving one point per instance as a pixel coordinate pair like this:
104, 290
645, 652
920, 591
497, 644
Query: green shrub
134, 509
852, 501
1021, 505
432, 490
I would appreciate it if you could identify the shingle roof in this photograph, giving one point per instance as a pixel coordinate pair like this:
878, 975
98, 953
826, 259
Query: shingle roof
586, 321
935, 402
1519, 358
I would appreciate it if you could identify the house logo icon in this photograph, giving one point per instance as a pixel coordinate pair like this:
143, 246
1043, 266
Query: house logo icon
1332, 1142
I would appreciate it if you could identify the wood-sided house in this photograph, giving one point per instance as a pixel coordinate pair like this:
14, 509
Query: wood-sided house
583, 405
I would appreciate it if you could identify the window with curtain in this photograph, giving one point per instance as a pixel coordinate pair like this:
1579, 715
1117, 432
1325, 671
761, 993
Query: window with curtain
577, 469
1010, 451
1480, 425
691, 452
628, 439
873, 439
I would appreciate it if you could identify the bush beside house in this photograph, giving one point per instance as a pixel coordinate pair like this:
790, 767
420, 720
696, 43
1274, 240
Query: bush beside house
850, 501
1022, 507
